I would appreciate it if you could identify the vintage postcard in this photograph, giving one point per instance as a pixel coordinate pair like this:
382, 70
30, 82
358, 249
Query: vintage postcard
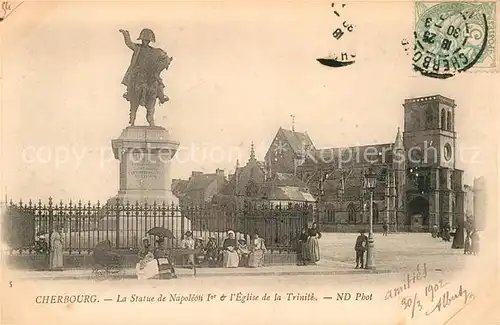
237, 162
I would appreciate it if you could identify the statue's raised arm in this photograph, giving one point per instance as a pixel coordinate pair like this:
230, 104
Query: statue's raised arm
128, 40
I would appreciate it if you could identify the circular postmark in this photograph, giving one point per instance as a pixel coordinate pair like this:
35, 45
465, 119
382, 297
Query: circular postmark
449, 38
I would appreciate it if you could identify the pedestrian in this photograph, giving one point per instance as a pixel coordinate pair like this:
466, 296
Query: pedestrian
475, 242
435, 231
56, 247
313, 244
467, 249
360, 248
458, 238
303, 249
445, 235
386, 228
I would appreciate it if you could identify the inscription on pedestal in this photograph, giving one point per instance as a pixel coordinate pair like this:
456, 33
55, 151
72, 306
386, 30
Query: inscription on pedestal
145, 170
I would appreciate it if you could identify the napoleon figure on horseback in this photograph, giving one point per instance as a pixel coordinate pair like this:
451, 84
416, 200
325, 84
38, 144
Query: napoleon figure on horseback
143, 81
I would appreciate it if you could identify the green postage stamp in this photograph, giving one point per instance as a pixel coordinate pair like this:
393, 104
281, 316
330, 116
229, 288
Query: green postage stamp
454, 37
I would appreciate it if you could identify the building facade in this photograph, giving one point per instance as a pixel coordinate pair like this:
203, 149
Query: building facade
418, 184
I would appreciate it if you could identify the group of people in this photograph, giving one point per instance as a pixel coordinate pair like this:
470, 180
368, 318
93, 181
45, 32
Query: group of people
238, 253
55, 250
309, 245
156, 262
471, 241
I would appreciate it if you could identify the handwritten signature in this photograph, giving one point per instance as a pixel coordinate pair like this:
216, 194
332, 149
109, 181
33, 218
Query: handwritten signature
446, 299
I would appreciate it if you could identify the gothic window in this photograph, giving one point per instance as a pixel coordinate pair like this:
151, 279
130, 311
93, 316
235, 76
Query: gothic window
251, 188
351, 213
330, 214
429, 117
443, 119
448, 121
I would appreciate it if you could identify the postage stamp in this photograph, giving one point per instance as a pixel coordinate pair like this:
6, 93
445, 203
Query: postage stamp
454, 37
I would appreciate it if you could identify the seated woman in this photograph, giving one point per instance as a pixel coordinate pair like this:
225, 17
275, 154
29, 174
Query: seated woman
257, 249
147, 267
165, 268
230, 257
243, 252
212, 252
198, 244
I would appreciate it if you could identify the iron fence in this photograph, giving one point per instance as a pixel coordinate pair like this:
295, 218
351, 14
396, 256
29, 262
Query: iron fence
84, 225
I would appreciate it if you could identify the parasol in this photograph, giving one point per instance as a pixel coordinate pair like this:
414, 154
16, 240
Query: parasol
160, 232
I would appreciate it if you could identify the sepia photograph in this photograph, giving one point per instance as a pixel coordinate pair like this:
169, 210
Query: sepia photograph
238, 162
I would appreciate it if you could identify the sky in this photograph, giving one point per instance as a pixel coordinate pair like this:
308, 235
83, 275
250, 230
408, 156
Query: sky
239, 72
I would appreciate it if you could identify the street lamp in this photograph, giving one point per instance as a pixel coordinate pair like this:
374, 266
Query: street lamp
370, 181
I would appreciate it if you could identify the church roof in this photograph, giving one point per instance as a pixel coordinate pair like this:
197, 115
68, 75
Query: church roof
288, 193
201, 182
283, 179
353, 155
297, 140
244, 175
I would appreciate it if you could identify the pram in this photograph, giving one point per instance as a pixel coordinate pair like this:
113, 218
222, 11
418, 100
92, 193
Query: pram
106, 261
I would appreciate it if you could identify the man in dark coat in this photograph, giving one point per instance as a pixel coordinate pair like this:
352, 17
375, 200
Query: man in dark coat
360, 248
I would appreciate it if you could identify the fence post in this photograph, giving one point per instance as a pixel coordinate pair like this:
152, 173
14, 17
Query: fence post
51, 227
117, 238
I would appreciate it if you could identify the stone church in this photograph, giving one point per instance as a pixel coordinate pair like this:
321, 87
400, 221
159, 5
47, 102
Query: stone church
418, 184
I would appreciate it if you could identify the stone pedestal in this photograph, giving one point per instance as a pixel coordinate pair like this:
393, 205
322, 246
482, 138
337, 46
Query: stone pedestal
145, 154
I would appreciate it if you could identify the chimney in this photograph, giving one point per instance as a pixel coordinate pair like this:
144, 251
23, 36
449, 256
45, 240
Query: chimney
194, 173
219, 172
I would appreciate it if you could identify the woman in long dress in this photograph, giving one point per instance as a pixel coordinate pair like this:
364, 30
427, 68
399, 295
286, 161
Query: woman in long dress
313, 243
56, 249
257, 249
303, 248
230, 257
188, 243
147, 267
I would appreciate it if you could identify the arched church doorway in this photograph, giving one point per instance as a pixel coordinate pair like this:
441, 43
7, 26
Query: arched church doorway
418, 211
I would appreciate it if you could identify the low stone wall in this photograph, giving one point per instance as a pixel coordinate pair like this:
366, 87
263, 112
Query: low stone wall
41, 262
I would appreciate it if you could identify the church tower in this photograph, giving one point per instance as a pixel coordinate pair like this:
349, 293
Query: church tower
434, 192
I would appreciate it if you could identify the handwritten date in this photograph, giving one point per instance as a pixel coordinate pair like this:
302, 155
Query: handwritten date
412, 302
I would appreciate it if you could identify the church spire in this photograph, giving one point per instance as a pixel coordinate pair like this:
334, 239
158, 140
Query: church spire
398, 143
236, 176
252, 152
